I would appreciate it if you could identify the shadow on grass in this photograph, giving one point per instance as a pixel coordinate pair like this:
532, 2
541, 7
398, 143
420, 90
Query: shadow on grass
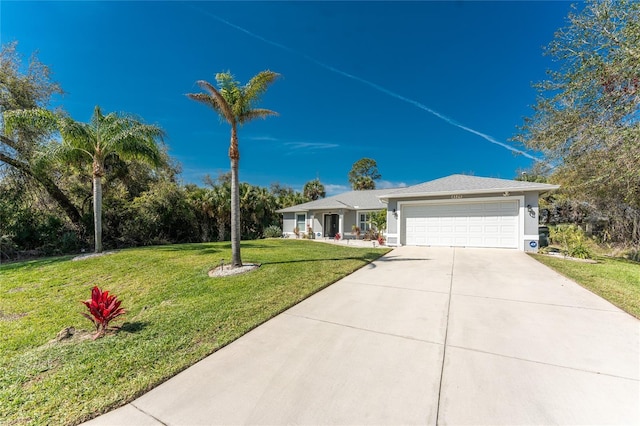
34, 263
196, 248
133, 327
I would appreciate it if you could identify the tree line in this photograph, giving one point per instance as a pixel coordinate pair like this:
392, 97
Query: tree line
58, 177
586, 122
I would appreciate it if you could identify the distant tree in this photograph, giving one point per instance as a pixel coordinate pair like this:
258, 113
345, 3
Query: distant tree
314, 190
105, 136
22, 134
363, 174
235, 104
287, 196
586, 120
161, 215
535, 174
221, 199
258, 207
203, 206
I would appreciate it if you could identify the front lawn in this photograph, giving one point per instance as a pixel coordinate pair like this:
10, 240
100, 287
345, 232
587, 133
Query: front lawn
617, 280
176, 316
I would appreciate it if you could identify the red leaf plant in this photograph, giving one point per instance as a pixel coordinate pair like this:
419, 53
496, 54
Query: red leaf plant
103, 308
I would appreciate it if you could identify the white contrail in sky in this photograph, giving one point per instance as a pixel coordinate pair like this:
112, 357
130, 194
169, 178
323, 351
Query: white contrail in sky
375, 86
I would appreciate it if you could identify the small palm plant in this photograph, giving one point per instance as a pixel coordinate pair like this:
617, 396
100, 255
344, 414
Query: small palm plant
103, 308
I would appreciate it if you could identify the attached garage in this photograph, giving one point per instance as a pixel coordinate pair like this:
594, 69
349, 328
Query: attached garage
462, 224
465, 211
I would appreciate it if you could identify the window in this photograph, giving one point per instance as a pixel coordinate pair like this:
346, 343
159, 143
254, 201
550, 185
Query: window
365, 221
301, 220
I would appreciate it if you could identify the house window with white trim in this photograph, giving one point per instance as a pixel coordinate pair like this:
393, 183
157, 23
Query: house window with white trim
365, 222
301, 220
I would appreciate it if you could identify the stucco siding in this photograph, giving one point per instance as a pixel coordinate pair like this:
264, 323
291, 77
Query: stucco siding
349, 221
531, 219
392, 217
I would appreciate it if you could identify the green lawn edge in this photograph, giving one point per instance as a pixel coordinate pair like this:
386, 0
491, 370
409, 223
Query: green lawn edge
177, 316
614, 279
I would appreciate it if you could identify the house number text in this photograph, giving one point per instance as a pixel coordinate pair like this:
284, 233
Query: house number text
456, 197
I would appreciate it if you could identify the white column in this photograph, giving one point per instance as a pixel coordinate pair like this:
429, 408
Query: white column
341, 223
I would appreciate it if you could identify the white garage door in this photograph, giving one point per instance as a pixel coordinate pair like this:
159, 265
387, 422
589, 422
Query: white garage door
481, 224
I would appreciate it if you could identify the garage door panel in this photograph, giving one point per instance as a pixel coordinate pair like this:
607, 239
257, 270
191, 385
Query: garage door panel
477, 224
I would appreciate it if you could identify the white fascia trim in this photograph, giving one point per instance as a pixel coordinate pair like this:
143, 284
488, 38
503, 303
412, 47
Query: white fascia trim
519, 198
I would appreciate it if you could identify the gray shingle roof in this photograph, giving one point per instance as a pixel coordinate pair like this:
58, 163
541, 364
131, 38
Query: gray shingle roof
454, 184
352, 200
461, 184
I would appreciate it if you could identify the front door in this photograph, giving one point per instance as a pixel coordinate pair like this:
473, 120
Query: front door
331, 225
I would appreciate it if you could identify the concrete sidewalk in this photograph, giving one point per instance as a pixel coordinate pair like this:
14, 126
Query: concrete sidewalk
421, 336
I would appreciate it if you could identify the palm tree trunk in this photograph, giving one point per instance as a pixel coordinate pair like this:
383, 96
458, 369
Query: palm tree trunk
97, 212
234, 155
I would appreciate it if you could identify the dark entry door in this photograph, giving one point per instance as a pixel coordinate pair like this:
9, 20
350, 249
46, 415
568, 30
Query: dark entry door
331, 225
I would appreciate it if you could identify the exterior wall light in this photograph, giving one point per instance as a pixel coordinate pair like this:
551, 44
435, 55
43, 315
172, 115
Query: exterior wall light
532, 213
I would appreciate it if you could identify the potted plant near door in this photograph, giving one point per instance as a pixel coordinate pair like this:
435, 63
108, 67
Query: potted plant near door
356, 231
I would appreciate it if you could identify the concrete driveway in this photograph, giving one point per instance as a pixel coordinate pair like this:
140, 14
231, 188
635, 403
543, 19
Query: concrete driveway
421, 336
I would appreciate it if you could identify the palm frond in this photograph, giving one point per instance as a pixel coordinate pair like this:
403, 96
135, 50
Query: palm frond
78, 136
258, 85
226, 81
216, 100
138, 141
208, 100
256, 113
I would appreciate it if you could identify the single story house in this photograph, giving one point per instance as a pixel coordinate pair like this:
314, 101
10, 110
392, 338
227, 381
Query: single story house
457, 211
329, 216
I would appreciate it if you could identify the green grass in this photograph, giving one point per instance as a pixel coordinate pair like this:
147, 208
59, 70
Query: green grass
617, 280
176, 316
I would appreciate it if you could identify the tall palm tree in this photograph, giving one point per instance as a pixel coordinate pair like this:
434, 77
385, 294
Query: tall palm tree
104, 136
235, 105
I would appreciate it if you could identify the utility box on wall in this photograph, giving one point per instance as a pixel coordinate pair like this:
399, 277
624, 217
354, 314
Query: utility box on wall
531, 246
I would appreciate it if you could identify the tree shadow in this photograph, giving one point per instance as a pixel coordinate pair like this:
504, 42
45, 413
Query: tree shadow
401, 259
280, 262
133, 327
198, 248
33, 263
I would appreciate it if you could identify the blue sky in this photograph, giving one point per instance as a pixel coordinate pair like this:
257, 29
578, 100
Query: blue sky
427, 89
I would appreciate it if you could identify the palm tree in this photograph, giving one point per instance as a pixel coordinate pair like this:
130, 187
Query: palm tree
314, 190
105, 136
23, 147
234, 104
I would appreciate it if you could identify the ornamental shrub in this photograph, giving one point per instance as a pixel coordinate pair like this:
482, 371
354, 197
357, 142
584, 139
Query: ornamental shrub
103, 308
272, 231
572, 241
